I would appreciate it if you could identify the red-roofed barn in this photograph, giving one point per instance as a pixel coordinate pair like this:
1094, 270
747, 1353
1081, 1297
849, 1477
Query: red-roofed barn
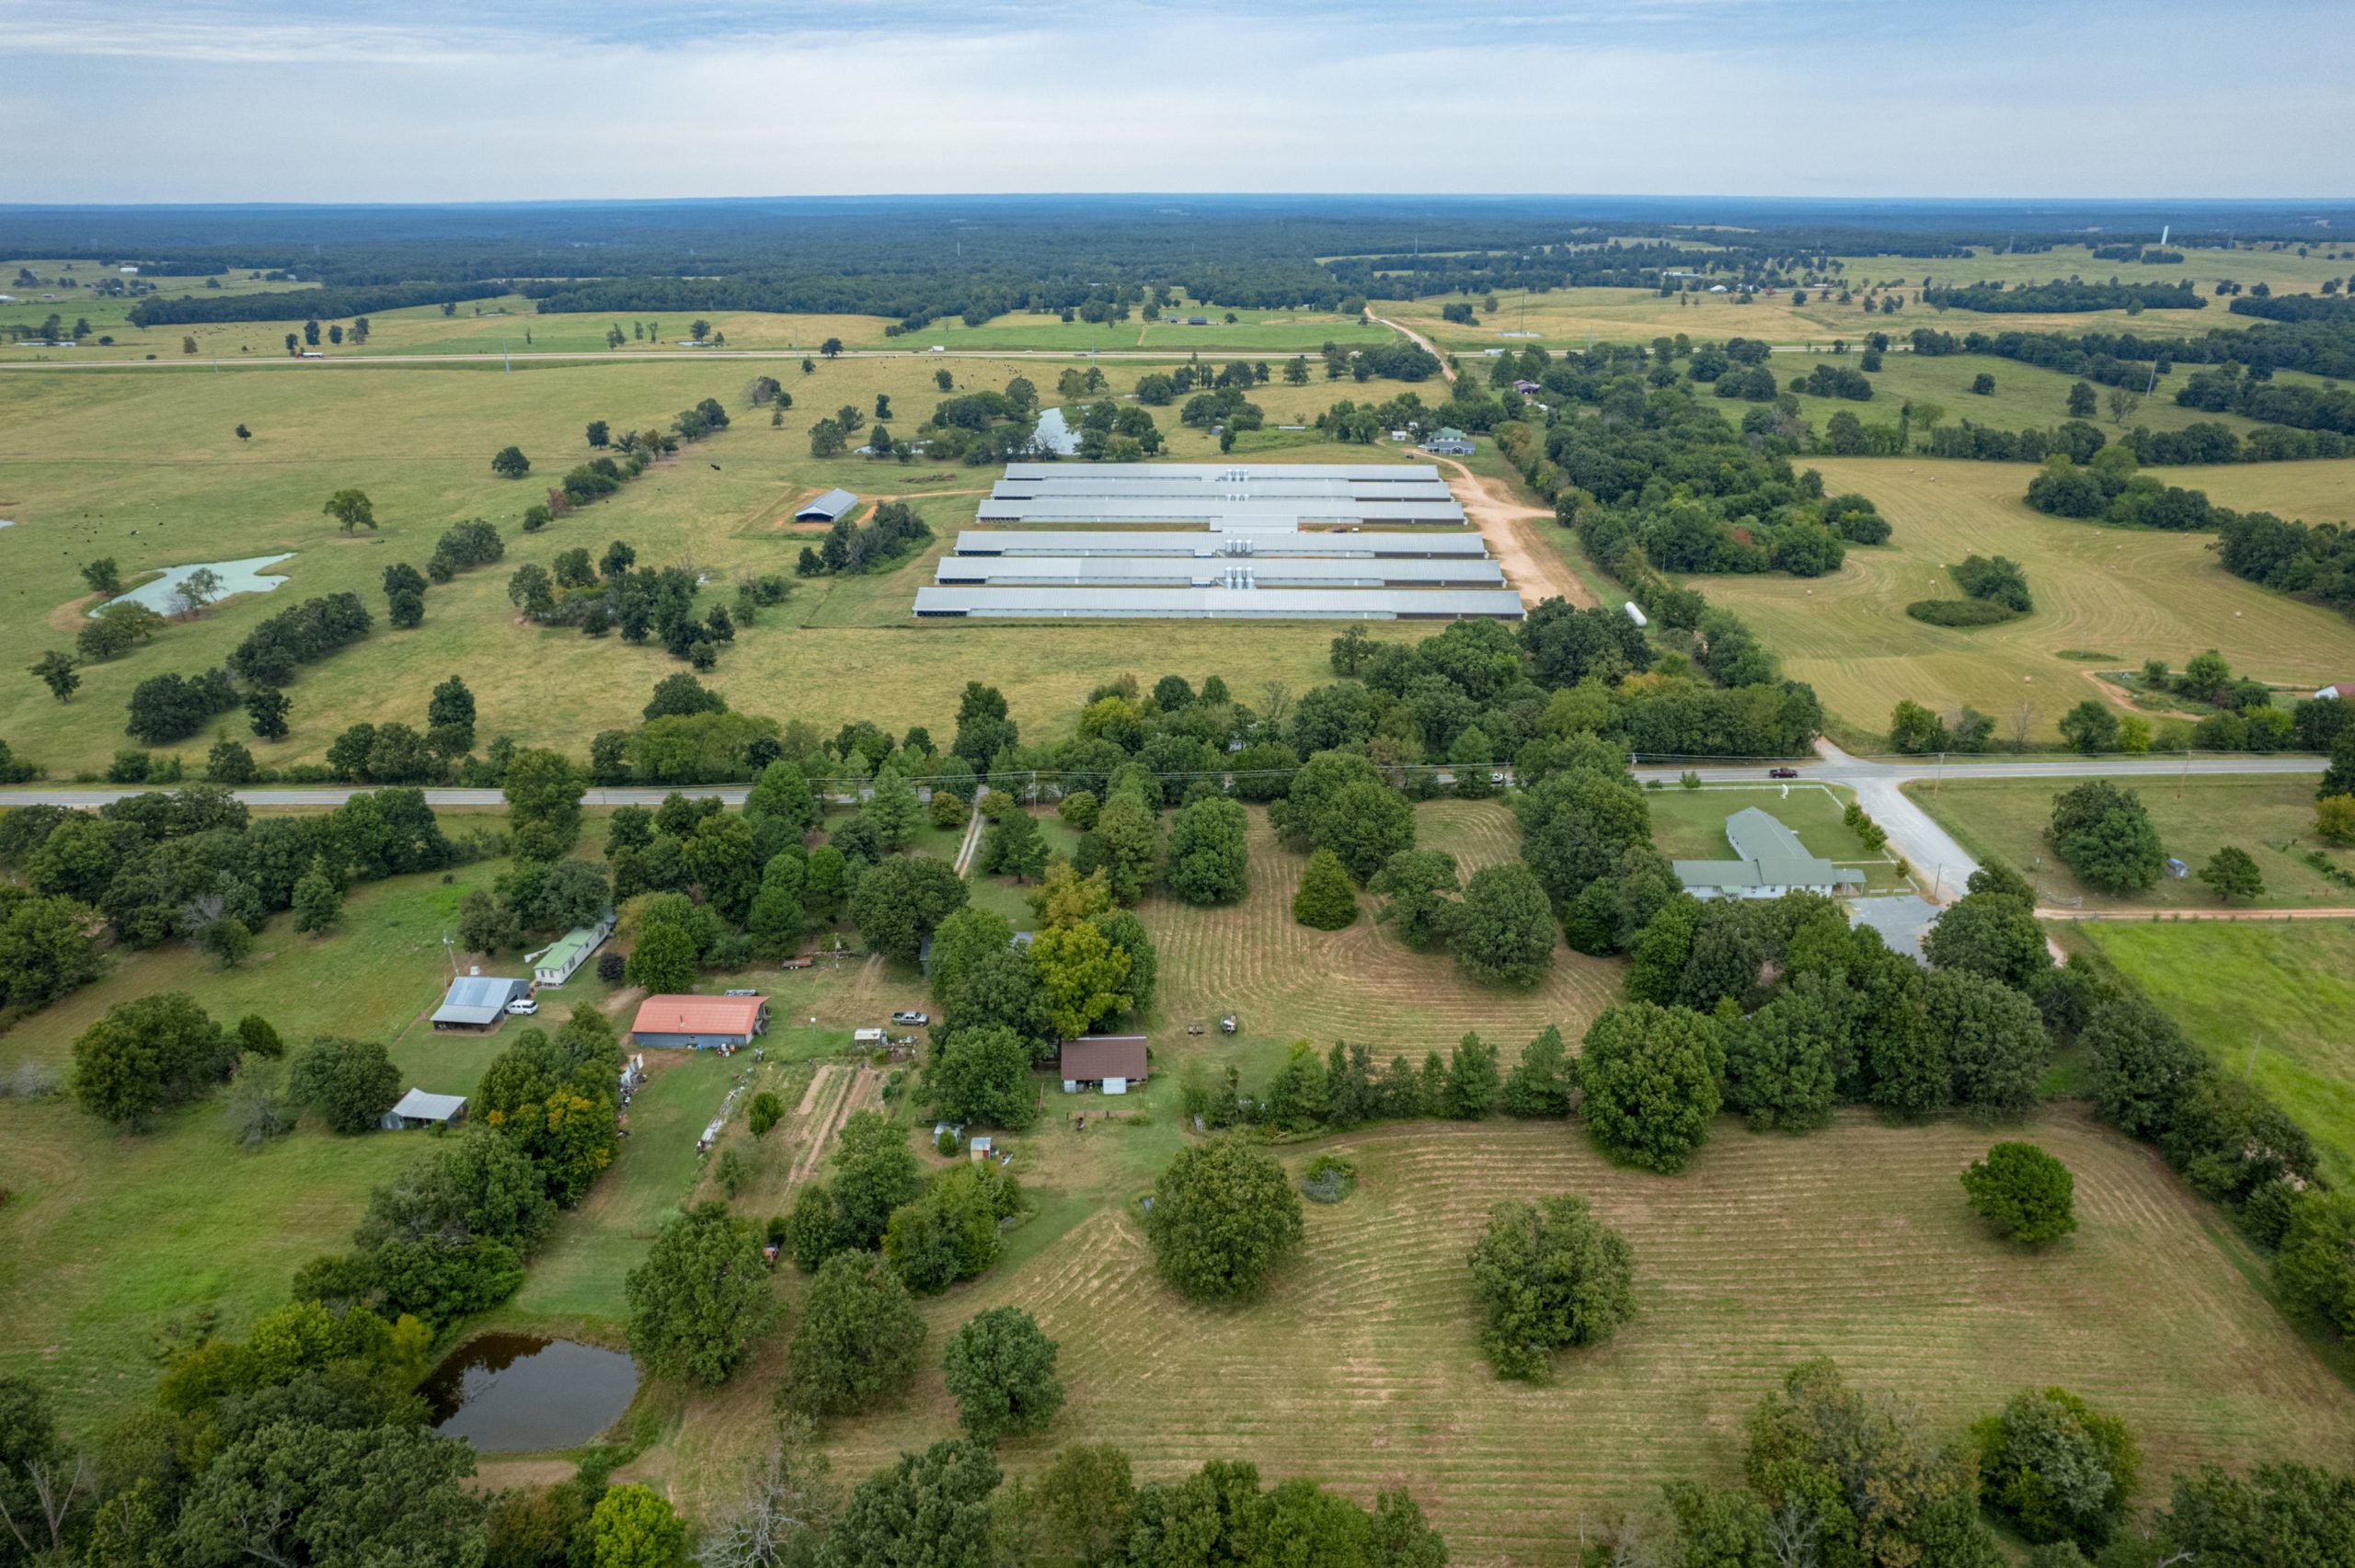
699, 1023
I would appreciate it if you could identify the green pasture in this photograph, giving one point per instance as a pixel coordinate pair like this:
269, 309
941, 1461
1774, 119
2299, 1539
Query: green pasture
146, 467
2124, 594
2273, 1002
2271, 816
2025, 397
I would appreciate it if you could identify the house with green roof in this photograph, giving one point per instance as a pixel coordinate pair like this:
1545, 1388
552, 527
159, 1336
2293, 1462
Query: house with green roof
556, 963
1769, 861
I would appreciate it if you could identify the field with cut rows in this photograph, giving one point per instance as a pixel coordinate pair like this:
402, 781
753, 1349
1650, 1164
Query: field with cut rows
1360, 983
1361, 1367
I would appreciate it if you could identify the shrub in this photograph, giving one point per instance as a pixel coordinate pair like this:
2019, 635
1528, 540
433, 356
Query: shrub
1329, 1178
1959, 611
1325, 900
2023, 1191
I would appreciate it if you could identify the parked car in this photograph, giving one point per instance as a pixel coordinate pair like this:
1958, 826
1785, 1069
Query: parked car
740, 991
1782, 773
919, 1019
522, 1007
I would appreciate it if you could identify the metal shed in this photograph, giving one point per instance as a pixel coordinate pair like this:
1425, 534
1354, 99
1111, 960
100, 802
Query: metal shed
479, 1002
1061, 604
699, 1023
1356, 543
834, 504
1187, 571
417, 1109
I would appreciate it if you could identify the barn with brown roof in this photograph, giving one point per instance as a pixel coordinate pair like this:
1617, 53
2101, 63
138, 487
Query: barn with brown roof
1110, 1062
699, 1023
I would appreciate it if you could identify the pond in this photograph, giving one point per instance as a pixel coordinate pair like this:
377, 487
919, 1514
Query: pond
1054, 434
516, 1393
236, 577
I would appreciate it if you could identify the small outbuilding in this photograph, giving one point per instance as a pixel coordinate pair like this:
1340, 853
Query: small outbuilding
2336, 690
834, 504
479, 1002
699, 1023
1110, 1062
556, 963
418, 1109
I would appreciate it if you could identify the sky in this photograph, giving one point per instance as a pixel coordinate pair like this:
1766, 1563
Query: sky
373, 100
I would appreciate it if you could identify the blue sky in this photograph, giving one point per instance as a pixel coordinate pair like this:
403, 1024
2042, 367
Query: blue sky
145, 101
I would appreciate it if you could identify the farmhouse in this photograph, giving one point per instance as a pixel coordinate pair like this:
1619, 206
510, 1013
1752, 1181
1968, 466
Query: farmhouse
479, 1002
1110, 1062
1449, 442
556, 963
1771, 862
418, 1109
834, 504
699, 1023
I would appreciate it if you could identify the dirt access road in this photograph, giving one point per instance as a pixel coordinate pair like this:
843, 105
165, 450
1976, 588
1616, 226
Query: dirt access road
1510, 528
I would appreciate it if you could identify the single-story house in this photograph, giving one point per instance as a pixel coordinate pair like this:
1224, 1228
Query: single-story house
699, 1023
557, 963
479, 1002
417, 1109
1449, 442
1110, 1062
2338, 689
1526, 387
1772, 862
834, 504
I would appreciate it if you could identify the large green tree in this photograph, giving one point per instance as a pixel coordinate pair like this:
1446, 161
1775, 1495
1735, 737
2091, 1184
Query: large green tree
1549, 1276
701, 1296
1504, 929
859, 1341
982, 1075
2105, 835
2056, 1469
2023, 1191
544, 793
1209, 862
899, 902
1000, 1368
147, 1054
1650, 1077
930, 1510
297, 1490
1222, 1215
1325, 899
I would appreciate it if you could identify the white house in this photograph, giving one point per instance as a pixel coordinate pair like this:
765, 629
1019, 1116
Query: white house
1772, 862
557, 963
2338, 689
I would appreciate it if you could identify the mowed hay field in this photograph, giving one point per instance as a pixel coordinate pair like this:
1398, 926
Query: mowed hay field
2124, 594
1358, 984
2273, 1002
145, 466
1361, 1366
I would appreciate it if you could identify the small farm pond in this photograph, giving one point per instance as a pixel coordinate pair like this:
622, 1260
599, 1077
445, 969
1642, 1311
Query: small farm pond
236, 577
516, 1393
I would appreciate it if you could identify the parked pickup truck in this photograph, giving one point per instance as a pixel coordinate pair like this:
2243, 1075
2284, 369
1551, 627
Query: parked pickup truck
1782, 773
916, 1018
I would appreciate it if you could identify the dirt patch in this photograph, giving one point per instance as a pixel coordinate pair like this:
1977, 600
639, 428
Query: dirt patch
69, 615
628, 996
2125, 699
1509, 527
497, 1475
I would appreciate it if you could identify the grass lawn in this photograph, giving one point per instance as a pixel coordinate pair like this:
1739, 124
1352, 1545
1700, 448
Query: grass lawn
2128, 595
146, 468
2005, 820
1690, 824
2273, 1002
1360, 1365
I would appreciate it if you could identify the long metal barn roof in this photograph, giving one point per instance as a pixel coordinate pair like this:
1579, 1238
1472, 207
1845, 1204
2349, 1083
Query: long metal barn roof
1050, 603
1216, 510
1185, 571
1083, 483
1252, 544
1224, 472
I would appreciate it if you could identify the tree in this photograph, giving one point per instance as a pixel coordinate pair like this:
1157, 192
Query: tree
348, 1082
350, 509
2335, 817
1992, 935
1784, 1062
898, 903
2232, 873
875, 1172
1084, 1500
1996, 1048
931, 1509
543, 794
147, 1054
266, 710
1012, 846
891, 806
1471, 1080
1549, 1276
859, 1339
700, 1297
2316, 1267
509, 463
1539, 1085
2091, 727
2023, 1191
982, 1075
1325, 899
1083, 976
1504, 929
197, 590
2081, 400
634, 1526
104, 577
1001, 1371
56, 671
1209, 860
2056, 1469
1222, 1217
1415, 885
318, 902
298, 1490
2105, 835
1650, 1077
663, 961
830, 348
